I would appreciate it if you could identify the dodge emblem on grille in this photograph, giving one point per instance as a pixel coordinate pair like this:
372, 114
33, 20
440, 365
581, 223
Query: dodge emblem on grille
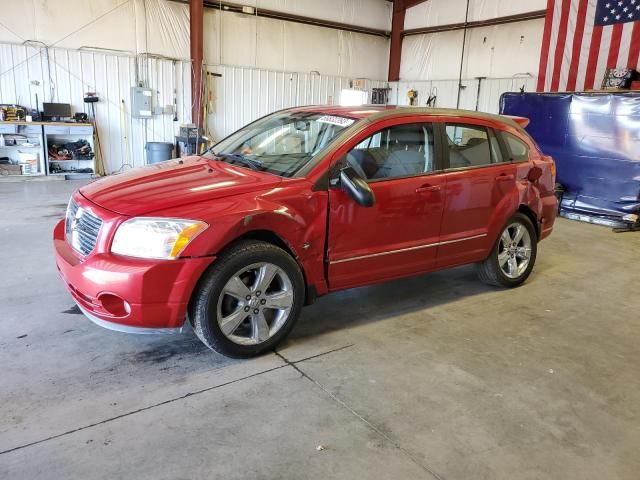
76, 226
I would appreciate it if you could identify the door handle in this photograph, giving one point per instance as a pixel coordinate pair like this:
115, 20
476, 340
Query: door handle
505, 178
428, 188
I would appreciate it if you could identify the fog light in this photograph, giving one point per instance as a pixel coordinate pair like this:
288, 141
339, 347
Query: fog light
115, 305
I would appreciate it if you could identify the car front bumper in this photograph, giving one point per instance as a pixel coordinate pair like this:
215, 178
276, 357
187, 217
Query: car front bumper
126, 294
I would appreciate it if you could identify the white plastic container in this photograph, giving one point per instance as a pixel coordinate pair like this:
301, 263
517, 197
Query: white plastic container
28, 163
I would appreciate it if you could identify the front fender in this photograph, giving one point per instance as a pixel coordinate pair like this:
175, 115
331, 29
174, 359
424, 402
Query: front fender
290, 228
298, 218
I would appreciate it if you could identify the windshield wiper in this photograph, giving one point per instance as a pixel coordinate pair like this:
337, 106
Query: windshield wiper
248, 161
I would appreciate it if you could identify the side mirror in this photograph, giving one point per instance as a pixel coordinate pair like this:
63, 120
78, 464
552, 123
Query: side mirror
356, 187
534, 174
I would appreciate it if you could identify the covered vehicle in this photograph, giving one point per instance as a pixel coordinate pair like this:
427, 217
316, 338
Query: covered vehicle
298, 204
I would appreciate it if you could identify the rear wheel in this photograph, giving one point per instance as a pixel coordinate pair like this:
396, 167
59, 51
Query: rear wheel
513, 255
249, 300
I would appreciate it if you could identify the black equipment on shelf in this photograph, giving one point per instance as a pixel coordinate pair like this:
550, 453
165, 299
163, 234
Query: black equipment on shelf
56, 110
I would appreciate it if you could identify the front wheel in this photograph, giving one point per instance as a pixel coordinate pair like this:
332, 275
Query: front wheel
248, 301
513, 255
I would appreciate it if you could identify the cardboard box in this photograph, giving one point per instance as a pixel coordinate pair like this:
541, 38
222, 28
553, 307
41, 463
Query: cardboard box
190, 131
6, 169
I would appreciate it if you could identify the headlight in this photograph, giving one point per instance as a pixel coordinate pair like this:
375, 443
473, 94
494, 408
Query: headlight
147, 237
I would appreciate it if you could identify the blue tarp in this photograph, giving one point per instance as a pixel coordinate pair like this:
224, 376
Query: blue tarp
595, 141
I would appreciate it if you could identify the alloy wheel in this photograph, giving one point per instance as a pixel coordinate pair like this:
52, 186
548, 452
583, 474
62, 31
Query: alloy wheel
255, 303
514, 250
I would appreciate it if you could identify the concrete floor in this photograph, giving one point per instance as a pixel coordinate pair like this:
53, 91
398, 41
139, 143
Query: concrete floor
434, 377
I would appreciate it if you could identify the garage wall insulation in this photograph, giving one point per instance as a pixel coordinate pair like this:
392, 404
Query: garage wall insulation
161, 27
493, 52
250, 41
507, 56
446, 12
365, 13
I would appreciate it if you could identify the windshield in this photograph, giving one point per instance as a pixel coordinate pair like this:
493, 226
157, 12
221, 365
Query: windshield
281, 143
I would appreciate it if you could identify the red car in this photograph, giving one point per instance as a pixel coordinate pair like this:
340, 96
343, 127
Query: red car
300, 203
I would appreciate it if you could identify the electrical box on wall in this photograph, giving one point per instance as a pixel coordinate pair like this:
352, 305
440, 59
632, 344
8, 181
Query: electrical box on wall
141, 102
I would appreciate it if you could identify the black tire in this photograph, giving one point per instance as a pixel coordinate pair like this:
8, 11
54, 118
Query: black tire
203, 308
489, 270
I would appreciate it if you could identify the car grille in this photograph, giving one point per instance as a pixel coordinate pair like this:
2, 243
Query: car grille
81, 228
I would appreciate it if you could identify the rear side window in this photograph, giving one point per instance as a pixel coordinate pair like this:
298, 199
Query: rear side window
403, 150
470, 146
517, 148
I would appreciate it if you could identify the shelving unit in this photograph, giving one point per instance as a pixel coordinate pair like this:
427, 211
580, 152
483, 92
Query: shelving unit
27, 146
23, 145
65, 136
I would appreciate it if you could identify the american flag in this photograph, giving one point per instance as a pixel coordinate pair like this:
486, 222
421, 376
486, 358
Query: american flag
583, 38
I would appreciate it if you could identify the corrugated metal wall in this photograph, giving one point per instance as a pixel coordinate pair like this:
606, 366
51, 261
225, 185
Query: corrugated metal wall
64, 76
447, 92
242, 95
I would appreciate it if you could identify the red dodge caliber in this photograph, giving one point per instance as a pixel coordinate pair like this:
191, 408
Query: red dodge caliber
298, 204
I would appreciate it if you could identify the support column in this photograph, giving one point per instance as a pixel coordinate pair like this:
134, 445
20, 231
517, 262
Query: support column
397, 34
196, 19
395, 49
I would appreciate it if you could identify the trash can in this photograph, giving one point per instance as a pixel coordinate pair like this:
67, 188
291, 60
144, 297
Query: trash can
159, 151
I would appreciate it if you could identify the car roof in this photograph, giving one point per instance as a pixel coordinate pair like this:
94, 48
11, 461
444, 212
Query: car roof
358, 112
376, 112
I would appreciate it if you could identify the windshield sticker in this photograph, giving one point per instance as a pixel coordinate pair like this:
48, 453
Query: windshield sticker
339, 121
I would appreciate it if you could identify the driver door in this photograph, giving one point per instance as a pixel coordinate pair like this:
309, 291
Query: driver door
399, 234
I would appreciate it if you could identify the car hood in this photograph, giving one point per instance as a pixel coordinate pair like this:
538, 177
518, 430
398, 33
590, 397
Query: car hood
174, 183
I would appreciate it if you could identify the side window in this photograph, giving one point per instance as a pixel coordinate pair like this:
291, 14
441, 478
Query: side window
399, 151
519, 150
469, 146
373, 141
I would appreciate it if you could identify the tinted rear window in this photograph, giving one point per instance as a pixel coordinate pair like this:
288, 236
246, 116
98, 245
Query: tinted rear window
518, 149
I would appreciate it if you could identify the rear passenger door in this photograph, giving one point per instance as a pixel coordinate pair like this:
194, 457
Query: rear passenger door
479, 179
